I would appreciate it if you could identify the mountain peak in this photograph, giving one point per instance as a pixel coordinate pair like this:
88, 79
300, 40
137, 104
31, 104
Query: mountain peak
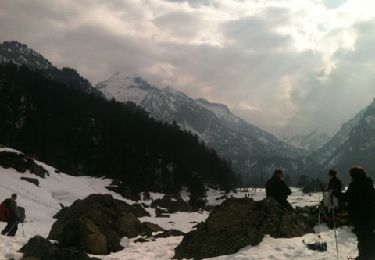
20, 54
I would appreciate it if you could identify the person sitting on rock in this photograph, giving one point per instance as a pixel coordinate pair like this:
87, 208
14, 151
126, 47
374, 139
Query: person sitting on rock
360, 197
12, 223
277, 189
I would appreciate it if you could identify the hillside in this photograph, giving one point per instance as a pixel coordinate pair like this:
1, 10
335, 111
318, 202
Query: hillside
253, 152
84, 134
353, 144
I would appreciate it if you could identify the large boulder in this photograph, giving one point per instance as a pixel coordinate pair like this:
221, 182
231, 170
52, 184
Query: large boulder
39, 248
172, 203
97, 223
238, 223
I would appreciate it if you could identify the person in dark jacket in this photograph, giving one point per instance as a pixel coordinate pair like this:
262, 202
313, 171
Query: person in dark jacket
360, 197
276, 188
335, 185
12, 223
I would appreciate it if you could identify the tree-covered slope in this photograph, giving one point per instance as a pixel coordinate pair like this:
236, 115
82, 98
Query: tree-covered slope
84, 134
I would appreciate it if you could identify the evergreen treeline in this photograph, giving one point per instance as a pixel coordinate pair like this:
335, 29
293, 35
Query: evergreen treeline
84, 134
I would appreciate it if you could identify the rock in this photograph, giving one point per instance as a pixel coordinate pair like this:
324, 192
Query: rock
170, 233
21, 163
152, 227
124, 190
172, 203
84, 232
238, 223
39, 248
161, 213
31, 180
97, 223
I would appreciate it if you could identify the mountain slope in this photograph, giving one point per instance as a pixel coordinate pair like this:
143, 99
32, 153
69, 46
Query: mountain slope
84, 134
251, 150
354, 144
309, 142
20, 54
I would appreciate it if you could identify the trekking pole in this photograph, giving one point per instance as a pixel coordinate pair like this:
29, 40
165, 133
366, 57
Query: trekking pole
23, 231
334, 231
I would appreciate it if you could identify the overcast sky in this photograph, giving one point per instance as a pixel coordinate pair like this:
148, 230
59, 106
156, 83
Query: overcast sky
287, 66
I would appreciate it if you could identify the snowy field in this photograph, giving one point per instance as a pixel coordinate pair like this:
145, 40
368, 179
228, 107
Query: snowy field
42, 202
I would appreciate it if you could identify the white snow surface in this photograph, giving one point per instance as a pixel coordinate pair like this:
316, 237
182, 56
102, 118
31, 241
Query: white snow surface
42, 202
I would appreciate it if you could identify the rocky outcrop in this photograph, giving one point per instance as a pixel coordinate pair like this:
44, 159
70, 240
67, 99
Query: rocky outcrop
21, 163
97, 224
31, 180
238, 223
39, 248
172, 203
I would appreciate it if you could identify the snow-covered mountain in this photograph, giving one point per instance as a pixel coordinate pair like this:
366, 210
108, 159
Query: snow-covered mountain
309, 142
20, 54
353, 144
244, 144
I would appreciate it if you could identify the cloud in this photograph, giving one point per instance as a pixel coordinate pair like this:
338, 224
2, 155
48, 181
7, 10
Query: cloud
287, 66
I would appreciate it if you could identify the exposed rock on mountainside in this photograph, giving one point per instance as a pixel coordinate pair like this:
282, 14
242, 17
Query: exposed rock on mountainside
171, 203
97, 224
238, 223
250, 149
20, 162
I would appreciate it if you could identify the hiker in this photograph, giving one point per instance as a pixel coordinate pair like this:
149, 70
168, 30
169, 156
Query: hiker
360, 197
14, 217
335, 185
276, 188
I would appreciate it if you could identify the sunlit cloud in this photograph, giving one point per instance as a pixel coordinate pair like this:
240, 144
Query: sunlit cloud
287, 66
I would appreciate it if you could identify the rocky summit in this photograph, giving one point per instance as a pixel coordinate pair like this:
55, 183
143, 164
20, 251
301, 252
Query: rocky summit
97, 223
238, 223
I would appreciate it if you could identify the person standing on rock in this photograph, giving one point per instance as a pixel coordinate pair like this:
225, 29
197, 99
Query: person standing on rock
360, 197
277, 189
14, 217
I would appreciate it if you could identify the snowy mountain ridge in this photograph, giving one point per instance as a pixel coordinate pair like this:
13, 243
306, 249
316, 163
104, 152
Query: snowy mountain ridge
352, 145
309, 142
232, 137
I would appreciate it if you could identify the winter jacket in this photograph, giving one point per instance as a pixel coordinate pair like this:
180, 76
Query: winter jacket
360, 197
276, 188
335, 185
14, 212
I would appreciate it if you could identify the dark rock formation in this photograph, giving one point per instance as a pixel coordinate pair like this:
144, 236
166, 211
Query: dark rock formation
21, 163
172, 203
39, 248
31, 180
238, 223
97, 223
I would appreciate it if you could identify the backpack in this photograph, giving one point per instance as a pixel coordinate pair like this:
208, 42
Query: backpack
4, 210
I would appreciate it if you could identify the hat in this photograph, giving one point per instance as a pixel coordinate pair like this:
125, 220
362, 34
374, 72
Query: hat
357, 171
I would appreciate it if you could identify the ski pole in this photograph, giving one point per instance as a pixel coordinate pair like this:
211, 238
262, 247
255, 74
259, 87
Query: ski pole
334, 230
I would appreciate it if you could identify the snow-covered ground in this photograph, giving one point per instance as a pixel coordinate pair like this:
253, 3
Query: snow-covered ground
42, 202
